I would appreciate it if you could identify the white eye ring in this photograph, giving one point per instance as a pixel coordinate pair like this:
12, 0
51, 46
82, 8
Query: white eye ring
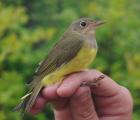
83, 24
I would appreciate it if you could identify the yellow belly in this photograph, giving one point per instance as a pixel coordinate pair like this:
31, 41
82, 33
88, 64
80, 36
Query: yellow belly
78, 63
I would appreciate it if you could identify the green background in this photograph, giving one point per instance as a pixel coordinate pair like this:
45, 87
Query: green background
28, 29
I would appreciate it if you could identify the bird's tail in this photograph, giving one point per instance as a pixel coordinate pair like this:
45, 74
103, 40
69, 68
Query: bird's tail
29, 99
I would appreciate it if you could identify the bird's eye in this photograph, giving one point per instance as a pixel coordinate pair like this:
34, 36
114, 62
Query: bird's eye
83, 24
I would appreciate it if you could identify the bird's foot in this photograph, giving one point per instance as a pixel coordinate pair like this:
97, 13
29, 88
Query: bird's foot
94, 82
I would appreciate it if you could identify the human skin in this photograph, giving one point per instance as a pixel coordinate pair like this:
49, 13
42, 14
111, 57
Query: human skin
71, 101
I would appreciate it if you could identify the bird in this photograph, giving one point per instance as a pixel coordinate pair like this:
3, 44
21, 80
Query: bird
73, 52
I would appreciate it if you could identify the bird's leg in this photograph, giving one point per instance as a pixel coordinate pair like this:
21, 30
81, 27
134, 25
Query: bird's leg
94, 82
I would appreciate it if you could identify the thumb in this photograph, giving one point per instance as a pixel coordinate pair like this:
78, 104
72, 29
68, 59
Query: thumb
82, 106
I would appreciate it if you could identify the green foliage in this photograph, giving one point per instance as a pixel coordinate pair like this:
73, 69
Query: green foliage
28, 29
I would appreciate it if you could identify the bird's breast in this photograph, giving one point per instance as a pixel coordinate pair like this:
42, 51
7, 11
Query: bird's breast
84, 57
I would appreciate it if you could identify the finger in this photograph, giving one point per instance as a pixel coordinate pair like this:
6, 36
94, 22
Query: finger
73, 82
60, 103
64, 114
50, 92
119, 104
38, 106
61, 109
107, 86
111, 99
82, 106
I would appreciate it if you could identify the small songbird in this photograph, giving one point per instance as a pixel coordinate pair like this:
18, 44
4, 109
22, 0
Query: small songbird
75, 50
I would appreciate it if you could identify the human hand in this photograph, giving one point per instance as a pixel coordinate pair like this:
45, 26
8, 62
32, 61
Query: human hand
109, 101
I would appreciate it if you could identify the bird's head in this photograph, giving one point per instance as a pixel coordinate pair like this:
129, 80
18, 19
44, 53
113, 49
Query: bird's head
85, 25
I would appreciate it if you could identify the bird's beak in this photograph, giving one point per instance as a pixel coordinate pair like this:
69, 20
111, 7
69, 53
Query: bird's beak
98, 23
95, 24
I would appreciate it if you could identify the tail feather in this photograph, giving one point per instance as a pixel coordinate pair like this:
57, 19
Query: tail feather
29, 99
21, 105
33, 97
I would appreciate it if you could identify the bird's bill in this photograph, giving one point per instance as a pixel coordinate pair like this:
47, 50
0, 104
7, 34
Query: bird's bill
98, 23
93, 25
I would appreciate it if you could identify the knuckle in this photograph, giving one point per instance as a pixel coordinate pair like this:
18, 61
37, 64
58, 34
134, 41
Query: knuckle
82, 94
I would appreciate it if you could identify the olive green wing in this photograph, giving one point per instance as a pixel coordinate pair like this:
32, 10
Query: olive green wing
62, 53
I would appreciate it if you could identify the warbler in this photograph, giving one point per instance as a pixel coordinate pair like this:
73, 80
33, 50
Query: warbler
75, 50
